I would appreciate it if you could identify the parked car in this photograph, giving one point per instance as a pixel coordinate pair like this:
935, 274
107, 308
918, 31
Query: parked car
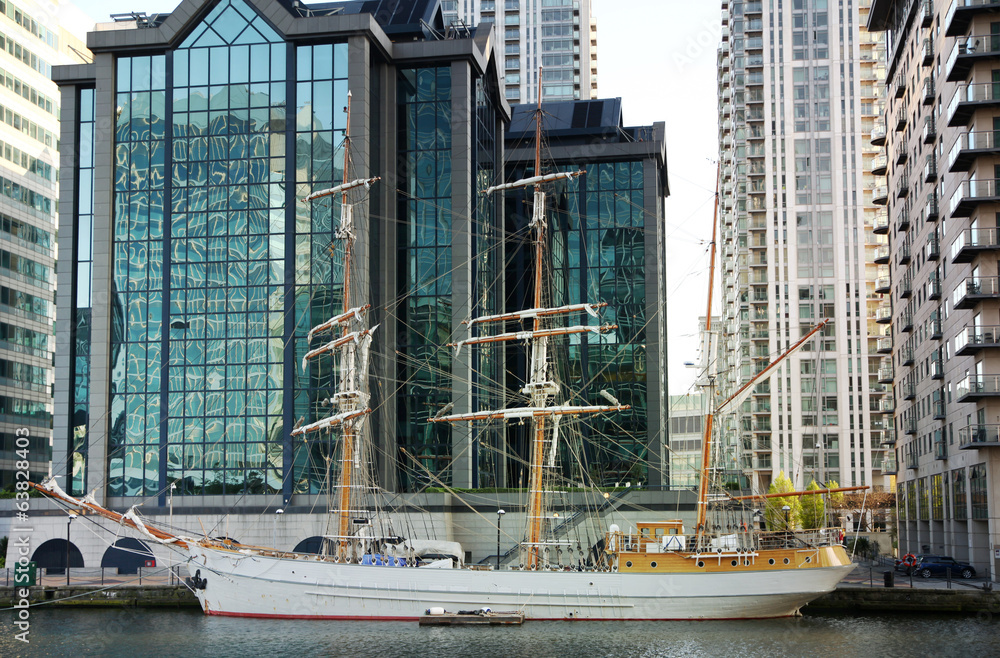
938, 565
902, 566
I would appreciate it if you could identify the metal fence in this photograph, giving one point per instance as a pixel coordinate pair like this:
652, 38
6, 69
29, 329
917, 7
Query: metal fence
103, 576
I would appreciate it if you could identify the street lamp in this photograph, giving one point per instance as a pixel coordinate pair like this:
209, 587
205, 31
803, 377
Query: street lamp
173, 485
500, 514
68, 522
274, 527
786, 509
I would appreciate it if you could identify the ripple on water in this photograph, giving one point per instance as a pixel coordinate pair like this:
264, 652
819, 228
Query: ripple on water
138, 633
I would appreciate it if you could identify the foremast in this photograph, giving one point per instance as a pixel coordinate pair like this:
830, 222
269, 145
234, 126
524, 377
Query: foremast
541, 388
349, 347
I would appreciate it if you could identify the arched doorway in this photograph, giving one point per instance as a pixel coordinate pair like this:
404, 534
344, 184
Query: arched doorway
127, 555
309, 545
51, 556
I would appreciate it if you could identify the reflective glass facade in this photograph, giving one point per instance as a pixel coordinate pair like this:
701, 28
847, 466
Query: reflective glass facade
425, 270
598, 225
82, 304
320, 98
217, 267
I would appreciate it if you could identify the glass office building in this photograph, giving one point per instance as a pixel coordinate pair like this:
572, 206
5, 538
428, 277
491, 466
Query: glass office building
606, 246
194, 269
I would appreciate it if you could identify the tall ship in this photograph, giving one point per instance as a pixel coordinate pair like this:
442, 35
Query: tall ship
372, 566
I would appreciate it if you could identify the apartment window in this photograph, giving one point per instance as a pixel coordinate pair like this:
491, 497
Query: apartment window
978, 493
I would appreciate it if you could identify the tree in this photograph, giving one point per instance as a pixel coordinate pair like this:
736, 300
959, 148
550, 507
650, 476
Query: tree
836, 499
813, 512
773, 512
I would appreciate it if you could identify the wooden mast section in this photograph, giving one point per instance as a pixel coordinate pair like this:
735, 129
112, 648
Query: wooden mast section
540, 387
703, 487
350, 351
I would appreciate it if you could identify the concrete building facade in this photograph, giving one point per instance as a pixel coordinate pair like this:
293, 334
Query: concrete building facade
940, 142
798, 98
34, 37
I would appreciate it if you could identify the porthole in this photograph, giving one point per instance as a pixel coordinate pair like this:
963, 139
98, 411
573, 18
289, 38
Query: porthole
746, 563
652, 565
734, 563
628, 564
701, 564
809, 559
771, 561
786, 560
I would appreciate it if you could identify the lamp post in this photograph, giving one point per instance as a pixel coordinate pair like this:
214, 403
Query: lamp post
173, 485
69, 521
500, 514
786, 509
274, 527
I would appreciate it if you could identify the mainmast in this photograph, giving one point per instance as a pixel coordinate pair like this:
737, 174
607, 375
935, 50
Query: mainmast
541, 389
350, 351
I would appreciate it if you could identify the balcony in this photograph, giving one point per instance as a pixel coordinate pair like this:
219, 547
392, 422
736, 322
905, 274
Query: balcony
974, 290
970, 97
906, 355
971, 145
906, 286
926, 15
937, 366
928, 95
879, 164
940, 449
912, 459
880, 195
883, 314
975, 436
961, 13
931, 207
933, 248
973, 242
881, 226
934, 286
910, 426
973, 339
885, 375
884, 345
977, 387
903, 255
930, 168
927, 50
906, 321
878, 134
899, 123
903, 190
930, 130
936, 333
971, 193
882, 256
889, 465
969, 50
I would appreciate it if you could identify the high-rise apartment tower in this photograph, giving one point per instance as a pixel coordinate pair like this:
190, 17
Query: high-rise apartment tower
943, 154
799, 92
558, 35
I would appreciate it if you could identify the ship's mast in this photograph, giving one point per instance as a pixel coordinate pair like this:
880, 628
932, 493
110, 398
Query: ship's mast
540, 388
350, 349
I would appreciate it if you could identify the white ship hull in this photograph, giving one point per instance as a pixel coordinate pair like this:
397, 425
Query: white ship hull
262, 586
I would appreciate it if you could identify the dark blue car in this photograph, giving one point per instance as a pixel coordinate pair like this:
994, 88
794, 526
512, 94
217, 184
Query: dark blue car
938, 565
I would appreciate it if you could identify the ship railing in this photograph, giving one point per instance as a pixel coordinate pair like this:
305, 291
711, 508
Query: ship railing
799, 538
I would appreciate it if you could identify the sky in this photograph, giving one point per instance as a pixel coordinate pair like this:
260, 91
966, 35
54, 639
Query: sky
659, 57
